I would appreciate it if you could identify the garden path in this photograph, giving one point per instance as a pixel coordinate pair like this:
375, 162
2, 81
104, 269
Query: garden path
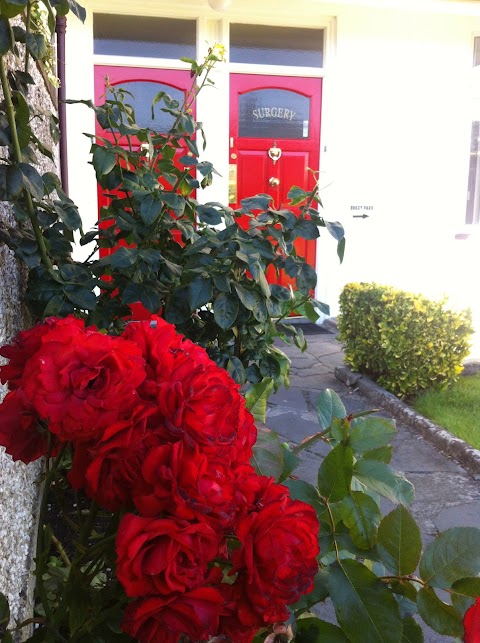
446, 494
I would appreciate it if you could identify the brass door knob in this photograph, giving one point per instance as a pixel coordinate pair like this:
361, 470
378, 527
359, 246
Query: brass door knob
274, 182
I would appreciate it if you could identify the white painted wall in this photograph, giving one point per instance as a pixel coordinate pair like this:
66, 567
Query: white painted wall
402, 83
396, 127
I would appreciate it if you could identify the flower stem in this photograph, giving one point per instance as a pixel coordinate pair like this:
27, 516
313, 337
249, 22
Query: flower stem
40, 556
61, 551
309, 441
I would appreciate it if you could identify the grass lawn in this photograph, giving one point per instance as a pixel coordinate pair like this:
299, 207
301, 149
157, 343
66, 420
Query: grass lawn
457, 409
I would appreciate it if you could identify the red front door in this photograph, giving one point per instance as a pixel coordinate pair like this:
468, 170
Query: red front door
143, 84
274, 140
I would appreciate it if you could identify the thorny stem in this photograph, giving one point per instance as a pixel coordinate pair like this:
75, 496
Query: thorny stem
309, 441
87, 527
27, 28
61, 551
10, 110
412, 579
40, 534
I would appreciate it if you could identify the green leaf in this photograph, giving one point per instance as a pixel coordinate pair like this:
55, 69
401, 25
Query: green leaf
361, 515
383, 454
269, 367
335, 473
54, 305
36, 45
296, 195
313, 630
382, 479
336, 229
438, 615
222, 283
200, 292
146, 294
103, 159
32, 181
174, 201
256, 399
77, 9
399, 543
236, 370
258, 273
464, 593
290, 462
12, 8
150, 208
225, 310
78, 599
306, 229
209, 215
177, 310
341, 249
123, 257
5, 39
247, 297
267, 456
82, 297
306, 492
11, 182
306, 278
371, 433
309, 310
329, 406
258, 202
454, 554
366, 610
69, 215
412, 632
280, 292
188, 161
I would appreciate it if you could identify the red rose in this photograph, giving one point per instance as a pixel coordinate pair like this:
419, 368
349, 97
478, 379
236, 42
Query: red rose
27, 343
252, 491
158, 342
200, 402
20, 432
277, 558
232, 611
182, 481
163, 555
194, 613
471, 623
111, 467
83, 382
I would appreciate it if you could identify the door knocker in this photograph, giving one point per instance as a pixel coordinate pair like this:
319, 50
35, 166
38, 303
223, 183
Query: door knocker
274, 152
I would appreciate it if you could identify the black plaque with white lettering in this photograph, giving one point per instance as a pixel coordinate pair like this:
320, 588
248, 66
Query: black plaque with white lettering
273, 113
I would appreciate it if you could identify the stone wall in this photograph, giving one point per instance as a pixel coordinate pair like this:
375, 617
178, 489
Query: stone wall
19, 483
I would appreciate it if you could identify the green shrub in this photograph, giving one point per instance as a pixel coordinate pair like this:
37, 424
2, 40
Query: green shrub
405, 342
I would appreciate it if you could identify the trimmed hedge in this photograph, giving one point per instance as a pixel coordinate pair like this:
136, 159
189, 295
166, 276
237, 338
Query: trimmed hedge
405, 342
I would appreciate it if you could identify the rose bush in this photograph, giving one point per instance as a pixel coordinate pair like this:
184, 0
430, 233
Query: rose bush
159, 438
184, 523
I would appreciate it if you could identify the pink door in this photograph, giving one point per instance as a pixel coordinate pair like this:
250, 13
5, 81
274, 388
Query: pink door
274, 140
